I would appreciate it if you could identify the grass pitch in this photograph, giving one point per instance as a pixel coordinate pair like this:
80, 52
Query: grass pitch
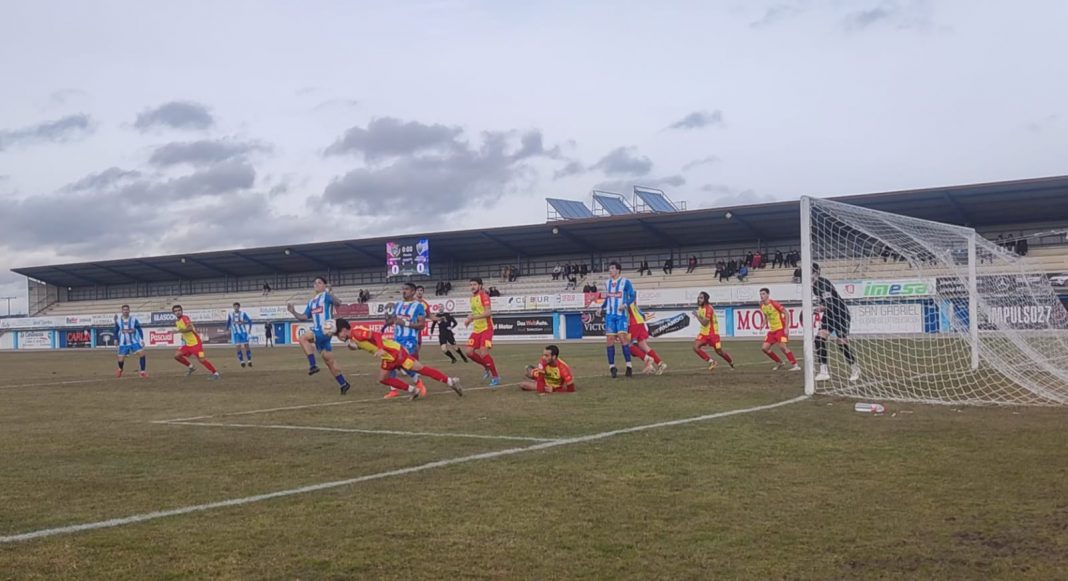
806, 490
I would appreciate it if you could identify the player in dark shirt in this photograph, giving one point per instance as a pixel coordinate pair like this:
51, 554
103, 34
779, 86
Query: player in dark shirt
445, 323
835, 318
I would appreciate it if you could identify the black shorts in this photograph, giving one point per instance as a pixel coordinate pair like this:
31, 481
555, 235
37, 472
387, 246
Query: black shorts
446, 338
837, 323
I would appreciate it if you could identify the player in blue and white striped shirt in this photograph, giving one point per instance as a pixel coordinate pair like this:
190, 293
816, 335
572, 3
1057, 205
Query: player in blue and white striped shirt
409, 318
320, 311
130, 337
239, 323
619, 295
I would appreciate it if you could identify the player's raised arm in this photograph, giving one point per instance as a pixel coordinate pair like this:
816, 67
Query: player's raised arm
306, 315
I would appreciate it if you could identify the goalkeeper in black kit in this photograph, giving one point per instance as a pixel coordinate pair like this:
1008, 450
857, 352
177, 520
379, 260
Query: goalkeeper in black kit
834, 318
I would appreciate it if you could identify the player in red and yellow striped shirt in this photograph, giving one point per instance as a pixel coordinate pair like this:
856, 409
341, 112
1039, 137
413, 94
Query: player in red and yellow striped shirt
393, 358
778, 325
551, 375
639, 341
192, 346
709, 334
481, 340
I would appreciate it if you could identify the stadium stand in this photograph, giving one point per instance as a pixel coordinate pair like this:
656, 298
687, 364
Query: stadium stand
1034, 209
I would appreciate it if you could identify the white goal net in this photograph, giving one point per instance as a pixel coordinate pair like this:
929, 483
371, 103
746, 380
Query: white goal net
914, 310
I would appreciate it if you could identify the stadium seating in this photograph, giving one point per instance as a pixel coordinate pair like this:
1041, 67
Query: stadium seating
1052, 259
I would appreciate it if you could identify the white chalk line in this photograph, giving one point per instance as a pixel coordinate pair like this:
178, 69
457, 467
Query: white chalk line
368, 400
361, 431
137, 518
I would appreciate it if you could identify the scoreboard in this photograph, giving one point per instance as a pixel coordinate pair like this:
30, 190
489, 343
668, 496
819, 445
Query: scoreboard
408, 257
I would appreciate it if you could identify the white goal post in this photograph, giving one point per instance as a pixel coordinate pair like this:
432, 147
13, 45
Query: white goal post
915, 310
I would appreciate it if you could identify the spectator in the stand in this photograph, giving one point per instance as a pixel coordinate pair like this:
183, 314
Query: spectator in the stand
567, 271
669, 265
556, 272
439, 289
266, 288
572, 282
758, 260
448, 287
743, 273
692, 265
1022, 246
493, 292
268, 334
644, 268
584, 270
779, 261
749, 259
797, 276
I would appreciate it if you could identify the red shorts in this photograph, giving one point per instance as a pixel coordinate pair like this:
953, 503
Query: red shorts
779, 336
481, 339
192, 351
398, 360
638, 332
710, 340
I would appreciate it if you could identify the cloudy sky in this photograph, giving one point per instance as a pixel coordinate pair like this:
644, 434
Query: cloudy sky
138, 128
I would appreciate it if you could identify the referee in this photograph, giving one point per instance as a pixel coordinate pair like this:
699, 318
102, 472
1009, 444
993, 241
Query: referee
835, 318
446, 322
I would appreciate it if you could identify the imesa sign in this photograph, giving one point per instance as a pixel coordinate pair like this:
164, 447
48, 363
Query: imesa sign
894, 289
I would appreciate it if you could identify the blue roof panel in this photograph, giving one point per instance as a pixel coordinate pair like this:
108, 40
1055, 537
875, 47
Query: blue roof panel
655, 199
570, 209
613, 205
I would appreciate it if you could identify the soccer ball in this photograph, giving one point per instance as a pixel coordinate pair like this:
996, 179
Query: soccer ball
329, 327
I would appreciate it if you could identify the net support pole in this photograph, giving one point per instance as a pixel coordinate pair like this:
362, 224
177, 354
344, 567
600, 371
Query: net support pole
808, 316
973, 299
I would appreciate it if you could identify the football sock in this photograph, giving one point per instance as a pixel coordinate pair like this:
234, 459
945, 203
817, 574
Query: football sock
340, 379
240, 357
248, 354
848, 354
726, 357
142, 361
626, 356
394, 383
656, 358
311, 361
183, 360
821, 349
491, 365
122, 364
773, 357
435, 374
790, 357
611, 355
462, 356
701, 353
450, 356
637, 352
207, 365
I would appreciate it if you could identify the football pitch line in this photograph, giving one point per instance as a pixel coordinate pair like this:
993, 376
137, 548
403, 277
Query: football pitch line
137, 518
362, 431
374, 399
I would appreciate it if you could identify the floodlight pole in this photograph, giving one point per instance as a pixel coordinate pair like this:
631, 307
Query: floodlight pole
808, 315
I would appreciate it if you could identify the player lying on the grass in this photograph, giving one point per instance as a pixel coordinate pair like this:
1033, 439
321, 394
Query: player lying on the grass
192, 346
709, 333
240, 326
393, 357
481, 340
619, 295
778, 323
446, 323
320, 311
834, 318
551, 375
639, 341
131, 340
